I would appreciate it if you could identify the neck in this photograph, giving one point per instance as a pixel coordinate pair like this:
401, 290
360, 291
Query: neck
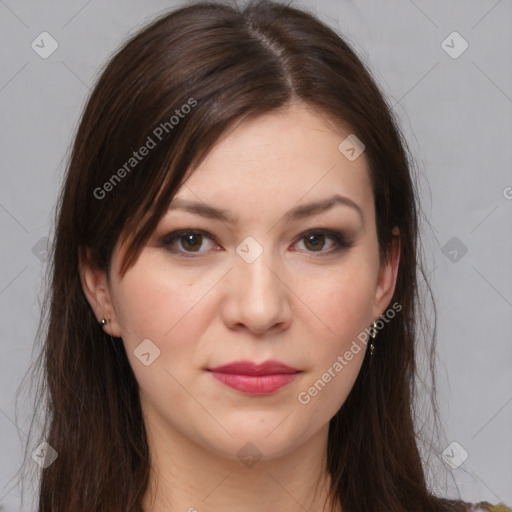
188, 477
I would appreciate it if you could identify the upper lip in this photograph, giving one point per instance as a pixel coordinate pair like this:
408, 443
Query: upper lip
250, 368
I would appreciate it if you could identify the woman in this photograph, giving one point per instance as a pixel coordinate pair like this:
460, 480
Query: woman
233, 311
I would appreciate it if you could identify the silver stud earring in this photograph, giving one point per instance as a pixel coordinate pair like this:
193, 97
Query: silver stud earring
103, 322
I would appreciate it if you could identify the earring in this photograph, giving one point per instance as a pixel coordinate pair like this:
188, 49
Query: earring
104, 322
373, 334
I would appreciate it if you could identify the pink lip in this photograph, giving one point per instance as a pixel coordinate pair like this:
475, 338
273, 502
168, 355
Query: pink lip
255, 379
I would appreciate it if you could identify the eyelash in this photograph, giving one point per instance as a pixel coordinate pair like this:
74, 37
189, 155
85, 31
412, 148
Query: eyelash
341, 242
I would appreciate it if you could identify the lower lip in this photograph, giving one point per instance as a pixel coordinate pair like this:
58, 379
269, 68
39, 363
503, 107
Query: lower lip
255, 384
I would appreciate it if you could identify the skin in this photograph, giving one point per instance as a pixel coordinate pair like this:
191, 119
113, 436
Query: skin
290, 304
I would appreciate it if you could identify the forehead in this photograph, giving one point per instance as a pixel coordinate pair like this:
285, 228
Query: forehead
279, 159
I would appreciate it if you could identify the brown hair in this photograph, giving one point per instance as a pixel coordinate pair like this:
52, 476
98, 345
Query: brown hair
226, 63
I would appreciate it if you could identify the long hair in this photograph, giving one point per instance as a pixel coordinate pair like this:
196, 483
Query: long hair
176, 87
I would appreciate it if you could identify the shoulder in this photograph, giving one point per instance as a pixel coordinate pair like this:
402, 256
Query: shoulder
482, 506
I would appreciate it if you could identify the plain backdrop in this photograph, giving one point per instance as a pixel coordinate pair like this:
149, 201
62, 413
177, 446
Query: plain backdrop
455, 109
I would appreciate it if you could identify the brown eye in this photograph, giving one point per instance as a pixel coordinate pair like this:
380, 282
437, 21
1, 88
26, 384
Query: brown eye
316, 242
187, 242
191, 242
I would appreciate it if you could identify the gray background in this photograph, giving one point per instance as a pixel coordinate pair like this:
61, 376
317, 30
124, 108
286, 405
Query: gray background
456, 115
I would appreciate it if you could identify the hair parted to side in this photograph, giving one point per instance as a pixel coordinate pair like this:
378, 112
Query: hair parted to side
233, 62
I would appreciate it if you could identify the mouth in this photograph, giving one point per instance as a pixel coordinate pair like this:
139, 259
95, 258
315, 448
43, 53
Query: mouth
255, 379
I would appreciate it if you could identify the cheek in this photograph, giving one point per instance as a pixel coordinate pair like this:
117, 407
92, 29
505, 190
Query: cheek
151, 302
344, 306
326, 387
343, 301
173, 309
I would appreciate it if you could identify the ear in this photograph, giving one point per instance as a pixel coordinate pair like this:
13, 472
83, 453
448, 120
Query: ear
96, 289
387, 277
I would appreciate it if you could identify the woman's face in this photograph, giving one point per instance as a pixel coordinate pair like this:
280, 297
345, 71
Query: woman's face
272, 280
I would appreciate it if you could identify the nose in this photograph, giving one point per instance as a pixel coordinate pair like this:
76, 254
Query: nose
256, 296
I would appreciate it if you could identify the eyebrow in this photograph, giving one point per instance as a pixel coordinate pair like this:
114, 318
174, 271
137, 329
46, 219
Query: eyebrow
297, 213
